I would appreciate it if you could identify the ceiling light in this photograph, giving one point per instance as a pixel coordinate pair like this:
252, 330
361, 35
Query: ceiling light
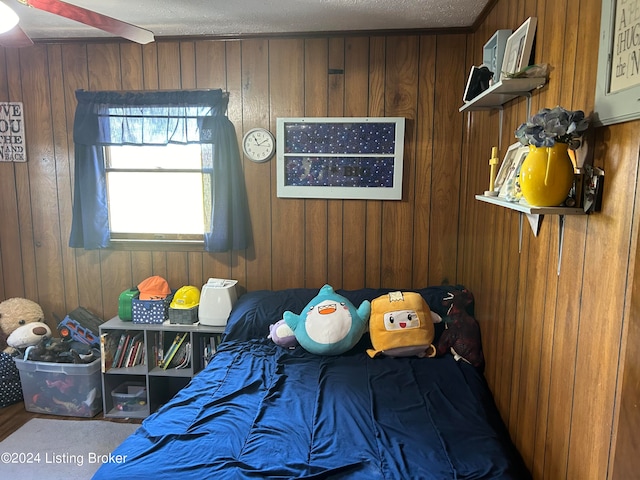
8, 18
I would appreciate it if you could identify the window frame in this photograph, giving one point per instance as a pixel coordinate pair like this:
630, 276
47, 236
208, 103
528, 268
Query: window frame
130, 238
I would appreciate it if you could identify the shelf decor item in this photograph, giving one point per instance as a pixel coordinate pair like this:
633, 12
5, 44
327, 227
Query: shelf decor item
493, 52
547, 174
517, 50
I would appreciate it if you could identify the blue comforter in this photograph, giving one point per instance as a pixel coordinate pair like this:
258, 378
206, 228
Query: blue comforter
261, 411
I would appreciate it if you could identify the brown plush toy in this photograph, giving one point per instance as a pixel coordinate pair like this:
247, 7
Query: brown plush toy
14, 313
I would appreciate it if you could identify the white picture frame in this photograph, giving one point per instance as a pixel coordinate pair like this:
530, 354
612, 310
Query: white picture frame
340, 157
517, 156
617, 92
504, 169
517, 51
493, 52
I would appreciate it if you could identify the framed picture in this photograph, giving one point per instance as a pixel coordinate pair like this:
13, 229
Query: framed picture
505, 166
510, 184
517, 50
493, 52
340, 157
479, 80
618, 82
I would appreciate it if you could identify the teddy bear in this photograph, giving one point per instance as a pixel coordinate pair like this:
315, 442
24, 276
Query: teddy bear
15, 313
21, 324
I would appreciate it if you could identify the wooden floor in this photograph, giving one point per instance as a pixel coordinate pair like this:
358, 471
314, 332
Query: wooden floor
14, 416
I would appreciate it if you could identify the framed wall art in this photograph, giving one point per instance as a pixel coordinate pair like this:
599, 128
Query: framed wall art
618, 79
517, 50
340, 157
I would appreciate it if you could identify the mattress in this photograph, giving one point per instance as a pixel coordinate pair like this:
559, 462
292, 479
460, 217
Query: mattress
262, 411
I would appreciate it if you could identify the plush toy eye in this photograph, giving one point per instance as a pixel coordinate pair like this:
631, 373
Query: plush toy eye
391, 320
409, 317
21, 322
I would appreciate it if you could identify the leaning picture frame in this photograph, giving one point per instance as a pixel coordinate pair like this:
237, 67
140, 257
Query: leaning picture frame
517, 51
510, 185
505, 166
340, 157
617, 81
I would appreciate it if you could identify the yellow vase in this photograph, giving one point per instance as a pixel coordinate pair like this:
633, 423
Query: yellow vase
546, 175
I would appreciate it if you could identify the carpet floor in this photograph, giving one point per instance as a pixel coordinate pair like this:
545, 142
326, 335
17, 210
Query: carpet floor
60, 449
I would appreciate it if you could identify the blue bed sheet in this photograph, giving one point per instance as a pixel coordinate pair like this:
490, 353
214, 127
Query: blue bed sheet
260, 411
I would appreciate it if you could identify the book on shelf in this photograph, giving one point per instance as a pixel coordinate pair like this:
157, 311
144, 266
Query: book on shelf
182, 358
108, 346
175, 345
140, 356
132, 357
125, 351
119, 351
209, 347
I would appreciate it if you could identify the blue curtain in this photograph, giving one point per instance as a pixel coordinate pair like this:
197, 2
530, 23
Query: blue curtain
157, 118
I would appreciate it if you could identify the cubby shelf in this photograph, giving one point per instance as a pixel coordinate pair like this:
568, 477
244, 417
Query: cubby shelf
159, 384
502, 92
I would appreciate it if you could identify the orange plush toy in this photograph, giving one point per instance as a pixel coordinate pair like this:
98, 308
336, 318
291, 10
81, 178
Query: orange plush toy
400, 325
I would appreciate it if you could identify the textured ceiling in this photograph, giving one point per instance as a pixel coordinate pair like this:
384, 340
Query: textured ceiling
169, 18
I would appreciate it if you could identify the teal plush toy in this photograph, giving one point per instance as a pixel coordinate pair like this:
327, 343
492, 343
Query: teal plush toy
329, 324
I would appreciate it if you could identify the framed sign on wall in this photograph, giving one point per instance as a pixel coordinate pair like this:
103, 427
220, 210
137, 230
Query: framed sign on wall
12, 139
618, 80
340, 157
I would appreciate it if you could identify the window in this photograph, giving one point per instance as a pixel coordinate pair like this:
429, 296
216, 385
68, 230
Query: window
161, 165
156, 192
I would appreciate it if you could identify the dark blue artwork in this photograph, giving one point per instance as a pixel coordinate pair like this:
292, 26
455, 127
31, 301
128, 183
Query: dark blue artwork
344, 150
339, 171
340, 138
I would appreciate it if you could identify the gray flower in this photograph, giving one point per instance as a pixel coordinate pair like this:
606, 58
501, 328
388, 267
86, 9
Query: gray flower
549, 126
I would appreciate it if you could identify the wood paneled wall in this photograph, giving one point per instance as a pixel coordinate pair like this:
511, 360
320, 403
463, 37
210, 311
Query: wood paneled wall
350, 244
556, 345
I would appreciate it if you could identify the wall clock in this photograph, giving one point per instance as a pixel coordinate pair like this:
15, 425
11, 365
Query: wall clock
259, 145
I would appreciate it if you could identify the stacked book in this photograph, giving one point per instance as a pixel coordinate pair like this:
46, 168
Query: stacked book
129, 350
178, 355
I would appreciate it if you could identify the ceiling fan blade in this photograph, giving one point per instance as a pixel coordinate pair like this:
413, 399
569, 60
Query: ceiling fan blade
93, 19
15, 38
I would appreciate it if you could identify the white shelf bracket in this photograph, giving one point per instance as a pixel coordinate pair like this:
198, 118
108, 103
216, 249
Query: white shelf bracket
520, 222
500, 121
560, 240
528, 95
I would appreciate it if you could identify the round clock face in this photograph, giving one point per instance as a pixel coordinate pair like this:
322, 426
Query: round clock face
259, 145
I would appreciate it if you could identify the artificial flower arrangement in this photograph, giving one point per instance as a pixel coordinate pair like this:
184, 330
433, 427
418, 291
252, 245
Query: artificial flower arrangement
549, 126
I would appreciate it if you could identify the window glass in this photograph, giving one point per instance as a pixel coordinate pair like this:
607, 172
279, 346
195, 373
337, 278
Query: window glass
155, 192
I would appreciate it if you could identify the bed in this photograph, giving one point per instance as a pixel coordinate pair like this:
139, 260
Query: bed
259, 410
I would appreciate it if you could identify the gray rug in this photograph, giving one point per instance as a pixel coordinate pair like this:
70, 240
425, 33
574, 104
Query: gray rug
60, 449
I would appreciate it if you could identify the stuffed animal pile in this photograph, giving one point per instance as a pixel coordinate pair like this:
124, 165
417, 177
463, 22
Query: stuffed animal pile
400, 324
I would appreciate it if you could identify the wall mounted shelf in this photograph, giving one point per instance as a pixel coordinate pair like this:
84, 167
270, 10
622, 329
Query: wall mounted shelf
534, 216
525, 208
502, 92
